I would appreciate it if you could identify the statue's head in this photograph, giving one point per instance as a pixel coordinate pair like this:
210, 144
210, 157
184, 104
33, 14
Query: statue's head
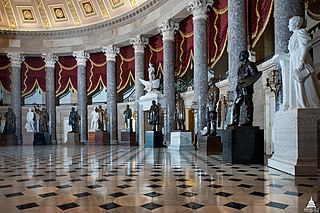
244, 55
72, 108
153, 102
30, 110
128, 106
212, 81
9, 109
295, 23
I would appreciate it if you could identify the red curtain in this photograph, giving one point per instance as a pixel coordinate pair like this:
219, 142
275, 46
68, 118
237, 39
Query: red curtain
5, 73
96, 72
154, 55
66, 74
125, 67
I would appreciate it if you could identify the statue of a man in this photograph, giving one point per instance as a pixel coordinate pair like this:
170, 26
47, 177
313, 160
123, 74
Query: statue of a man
10, 124
127, 115
247, 75
212, 100
154, 115
44, 119
101, 118
74, 120
152, 73
30, 121
94, 120
180, 115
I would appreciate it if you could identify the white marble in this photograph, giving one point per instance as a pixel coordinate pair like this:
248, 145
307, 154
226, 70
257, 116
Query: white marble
181, 140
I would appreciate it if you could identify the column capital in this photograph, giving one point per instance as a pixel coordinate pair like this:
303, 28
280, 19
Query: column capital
16, 59
49, 59
199, 8
111, 52
81, 57
139, 43
167, 30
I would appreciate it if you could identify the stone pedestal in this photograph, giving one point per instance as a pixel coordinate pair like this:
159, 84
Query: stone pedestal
295, 141
210, 145
154, 139
41, 138
242, 145
73, 138
28, 138
8, 139
91, 136
101, 138
128, 138
181, 141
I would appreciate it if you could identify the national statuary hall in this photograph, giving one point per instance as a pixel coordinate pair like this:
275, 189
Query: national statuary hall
168, 106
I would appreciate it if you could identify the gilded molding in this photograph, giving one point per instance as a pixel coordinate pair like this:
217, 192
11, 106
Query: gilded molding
104, 10
133, 3
74, 13
43, 14
7, 6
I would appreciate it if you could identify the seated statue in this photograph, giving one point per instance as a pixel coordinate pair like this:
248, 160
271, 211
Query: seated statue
10, 124
180, 115
30, 121
152, 84
127, 116
74, 120
154, 115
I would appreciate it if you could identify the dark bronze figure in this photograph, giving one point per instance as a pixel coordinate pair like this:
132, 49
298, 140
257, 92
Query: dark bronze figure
154, 115
74, 120
180, 115
10, 124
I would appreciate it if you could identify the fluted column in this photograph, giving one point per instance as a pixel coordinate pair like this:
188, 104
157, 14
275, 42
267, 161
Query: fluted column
16, 59
139, 43
50, 61
283, 11
199, 8
167, 30
81, 58
111, 53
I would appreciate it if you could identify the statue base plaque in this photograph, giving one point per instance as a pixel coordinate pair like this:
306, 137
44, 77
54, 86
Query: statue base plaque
101, 138
210, 145
181, 140
73, 138
243, 145
128, 138
8, 139
154, 139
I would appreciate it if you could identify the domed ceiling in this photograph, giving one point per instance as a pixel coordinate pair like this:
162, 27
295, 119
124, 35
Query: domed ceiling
34, 15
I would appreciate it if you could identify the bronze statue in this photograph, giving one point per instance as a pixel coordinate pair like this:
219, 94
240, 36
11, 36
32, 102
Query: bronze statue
180, 115
74, 120
44, 119
248, 74
127, 115
10, 124
101, 118
154, 115
212, 100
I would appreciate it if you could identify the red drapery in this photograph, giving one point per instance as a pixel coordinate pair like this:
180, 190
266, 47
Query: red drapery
5, 72
66, 74
96, 72
154, 55
125, 67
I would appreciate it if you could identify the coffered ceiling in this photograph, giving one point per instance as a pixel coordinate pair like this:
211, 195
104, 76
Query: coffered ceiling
33, 15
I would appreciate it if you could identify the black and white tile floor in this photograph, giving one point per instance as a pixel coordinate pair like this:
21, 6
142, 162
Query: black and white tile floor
134, 179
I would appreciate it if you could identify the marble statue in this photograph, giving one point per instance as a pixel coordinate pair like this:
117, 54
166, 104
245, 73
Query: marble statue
180, 114
10, 124
304, 87
127, 117
247, 75
154, 115
152, 84
30, 121
94, 120
212, 101
74, 120
44, 119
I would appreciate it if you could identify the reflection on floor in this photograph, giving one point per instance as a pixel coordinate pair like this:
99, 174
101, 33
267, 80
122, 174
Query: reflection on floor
124, 179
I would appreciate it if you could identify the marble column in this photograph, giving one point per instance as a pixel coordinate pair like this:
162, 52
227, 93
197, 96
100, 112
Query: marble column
16, 59
199, 9
283, 11
111, 53
50, 61
139, 43
81, 58
167, 30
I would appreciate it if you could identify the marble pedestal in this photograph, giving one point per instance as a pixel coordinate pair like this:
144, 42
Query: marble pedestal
295, 141
154, 139
181, 141
8, 139
101, 138
91, 136
128, 138
210, 145
73, 138
41, 138
28, 138
243, 145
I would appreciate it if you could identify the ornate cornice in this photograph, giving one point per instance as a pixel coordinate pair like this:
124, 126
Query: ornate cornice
81, 57
167, 29
79, 31
199, 8
50, 59
111, 52
139, 43
16, 59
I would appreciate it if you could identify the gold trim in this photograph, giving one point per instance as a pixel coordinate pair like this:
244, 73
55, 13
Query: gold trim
115, 4
104, 10
258, 19
221, 53
5, 67
74, 13
7, 6
43, 14
36, 83
100, 82
133, 3
184, 36
59, 79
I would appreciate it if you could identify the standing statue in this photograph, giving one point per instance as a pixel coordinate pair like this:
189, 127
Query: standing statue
127, 115
30, 121
248, 74
10, 124
94, 120
212, 100
44, 119
101, 118
152, 73
180, 114
304, 88
74, 120
154, 115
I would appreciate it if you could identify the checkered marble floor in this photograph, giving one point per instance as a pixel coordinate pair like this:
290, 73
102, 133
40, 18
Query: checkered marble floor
134, 179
